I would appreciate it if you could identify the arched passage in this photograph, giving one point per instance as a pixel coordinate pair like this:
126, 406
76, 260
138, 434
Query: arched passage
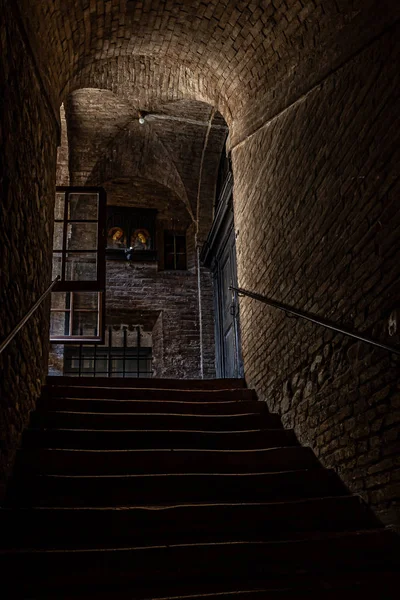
144, 167
308, 90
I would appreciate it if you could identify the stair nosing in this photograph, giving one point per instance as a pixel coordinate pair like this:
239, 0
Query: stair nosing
152, 414
145, 401
160, 507
213, 432
239, 542
167, 450
132, 475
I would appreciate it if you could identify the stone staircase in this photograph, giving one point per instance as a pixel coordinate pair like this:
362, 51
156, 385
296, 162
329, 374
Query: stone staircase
134, 489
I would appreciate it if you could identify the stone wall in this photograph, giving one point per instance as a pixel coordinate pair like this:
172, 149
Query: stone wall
318, 220
28, 142
148, 295
62, 174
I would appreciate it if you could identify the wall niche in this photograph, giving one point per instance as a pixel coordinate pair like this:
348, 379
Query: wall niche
131, 234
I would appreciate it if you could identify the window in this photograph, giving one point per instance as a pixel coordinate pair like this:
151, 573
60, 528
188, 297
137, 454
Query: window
131, 233
76, 315
123, 355
174, 251
100, 361
77, 302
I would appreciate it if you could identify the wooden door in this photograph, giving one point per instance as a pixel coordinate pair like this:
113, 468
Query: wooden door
228, 344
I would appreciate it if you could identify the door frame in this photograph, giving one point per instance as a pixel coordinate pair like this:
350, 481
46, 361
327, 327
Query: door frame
213, 250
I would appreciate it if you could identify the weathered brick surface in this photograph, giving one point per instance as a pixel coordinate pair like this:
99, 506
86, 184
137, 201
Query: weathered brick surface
316, 206
166, 303
108, 142
62, 174
28, 140
171, 296
222, 52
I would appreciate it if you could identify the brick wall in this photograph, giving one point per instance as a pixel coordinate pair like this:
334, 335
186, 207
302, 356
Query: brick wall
62, 174
316, 208
164, 302
28, 141
139, 288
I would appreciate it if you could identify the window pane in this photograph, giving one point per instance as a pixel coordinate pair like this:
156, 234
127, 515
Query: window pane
180, 244
181, 262
86, 300
59, 206
81, 267
60, 300
169, 261
59, 324
82, 236
84, 324
57, 262
58, 236
88, 364
83, 207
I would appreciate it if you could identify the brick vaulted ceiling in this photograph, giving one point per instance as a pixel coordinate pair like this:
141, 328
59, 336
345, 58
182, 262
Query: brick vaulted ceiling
177, 149
224, 52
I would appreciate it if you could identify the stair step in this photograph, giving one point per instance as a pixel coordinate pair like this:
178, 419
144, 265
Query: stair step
139, 393
138, 438
357, 585
221, 407
146, 490
133, 382
116, 462
213, 561
181, 523
81, 420
56, 490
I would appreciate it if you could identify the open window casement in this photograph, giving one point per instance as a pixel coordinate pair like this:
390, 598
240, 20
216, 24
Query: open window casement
79, 242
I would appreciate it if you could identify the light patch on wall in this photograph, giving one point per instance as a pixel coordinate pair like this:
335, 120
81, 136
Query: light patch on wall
392, 323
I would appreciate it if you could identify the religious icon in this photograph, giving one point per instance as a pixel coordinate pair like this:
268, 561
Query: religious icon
116, 238
141, 240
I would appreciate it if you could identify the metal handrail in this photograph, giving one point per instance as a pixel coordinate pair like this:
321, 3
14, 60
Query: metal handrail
315, 319
28, 315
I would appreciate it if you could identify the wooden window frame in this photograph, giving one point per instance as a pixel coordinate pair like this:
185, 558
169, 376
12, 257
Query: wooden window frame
174, 234
97, 285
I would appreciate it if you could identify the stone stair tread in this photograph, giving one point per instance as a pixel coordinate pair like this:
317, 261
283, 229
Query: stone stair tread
166, 492
154, 383
333, 552
165, 460
110, 405
308, 537
149, 414
377, 536
361, 584
279, 520
168, 506
162, 421
157, 439
142, 393
100, 490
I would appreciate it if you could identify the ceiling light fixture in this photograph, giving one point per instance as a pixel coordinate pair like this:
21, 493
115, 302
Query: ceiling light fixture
141, 116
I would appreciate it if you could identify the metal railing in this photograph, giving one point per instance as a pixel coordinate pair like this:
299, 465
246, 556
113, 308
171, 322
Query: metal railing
109, 360
308, 316
28, 315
